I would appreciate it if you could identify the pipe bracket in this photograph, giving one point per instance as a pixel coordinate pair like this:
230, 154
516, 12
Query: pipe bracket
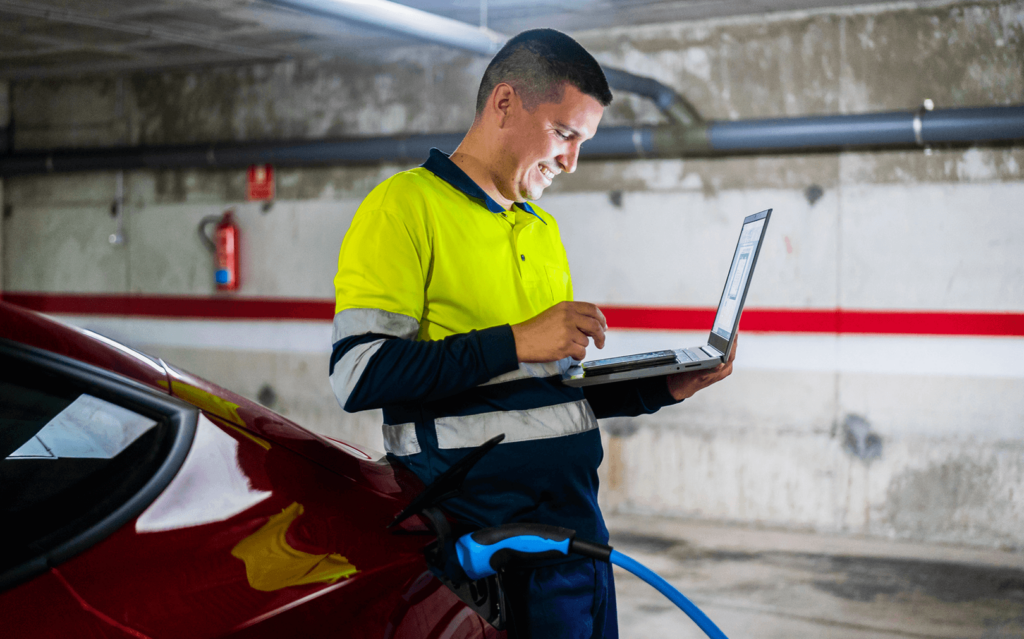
638, 142
925, 107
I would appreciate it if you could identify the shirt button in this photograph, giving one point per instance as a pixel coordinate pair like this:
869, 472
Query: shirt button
523, 257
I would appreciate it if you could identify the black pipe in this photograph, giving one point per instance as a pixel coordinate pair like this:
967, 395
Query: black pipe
876, 130
899, 128
620, 141
355, 151
674, 106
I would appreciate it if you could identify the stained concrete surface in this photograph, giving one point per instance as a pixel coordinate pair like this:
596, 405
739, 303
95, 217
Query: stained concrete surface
767, 584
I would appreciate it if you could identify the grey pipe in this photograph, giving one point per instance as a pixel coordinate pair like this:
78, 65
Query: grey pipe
405, 20
430, 27
356, 151
783, 135
900, 128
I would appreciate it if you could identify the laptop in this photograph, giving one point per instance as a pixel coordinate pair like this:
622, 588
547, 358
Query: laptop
723, 331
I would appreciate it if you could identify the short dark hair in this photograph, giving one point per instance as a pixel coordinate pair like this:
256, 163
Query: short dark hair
537, 64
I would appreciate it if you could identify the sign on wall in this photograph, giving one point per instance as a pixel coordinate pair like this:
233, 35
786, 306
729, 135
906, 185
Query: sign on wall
260, 183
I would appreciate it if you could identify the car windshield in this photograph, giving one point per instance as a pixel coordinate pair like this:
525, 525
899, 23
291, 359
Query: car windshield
68, 458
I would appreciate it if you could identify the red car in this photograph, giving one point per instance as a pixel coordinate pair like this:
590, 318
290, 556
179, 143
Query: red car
140, 501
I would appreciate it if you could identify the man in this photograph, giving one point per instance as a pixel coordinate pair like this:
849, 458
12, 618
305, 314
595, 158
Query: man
455, 315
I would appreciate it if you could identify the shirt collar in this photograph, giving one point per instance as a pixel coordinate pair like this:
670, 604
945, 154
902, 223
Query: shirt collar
442, 166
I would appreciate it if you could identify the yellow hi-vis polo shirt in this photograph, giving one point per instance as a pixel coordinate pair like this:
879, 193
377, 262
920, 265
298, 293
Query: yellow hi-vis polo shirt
431, 274
421, 247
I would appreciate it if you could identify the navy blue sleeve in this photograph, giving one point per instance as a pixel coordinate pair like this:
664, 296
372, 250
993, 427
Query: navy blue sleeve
630, 398
402, 370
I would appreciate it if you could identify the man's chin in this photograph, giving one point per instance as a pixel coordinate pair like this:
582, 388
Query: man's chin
533, 194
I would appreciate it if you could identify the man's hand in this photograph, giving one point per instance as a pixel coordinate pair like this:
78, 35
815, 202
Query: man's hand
560, 331
684, 385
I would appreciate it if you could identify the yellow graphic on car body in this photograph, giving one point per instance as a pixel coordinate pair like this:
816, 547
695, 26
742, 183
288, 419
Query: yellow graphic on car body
205, 400
216, 406
272, 564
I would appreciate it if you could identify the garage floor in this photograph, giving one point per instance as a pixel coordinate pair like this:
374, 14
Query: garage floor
766, 585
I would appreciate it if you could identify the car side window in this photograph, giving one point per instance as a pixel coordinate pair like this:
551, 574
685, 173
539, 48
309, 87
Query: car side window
75, 455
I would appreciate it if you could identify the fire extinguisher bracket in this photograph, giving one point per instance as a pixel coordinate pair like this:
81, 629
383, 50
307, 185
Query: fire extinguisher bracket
204, 235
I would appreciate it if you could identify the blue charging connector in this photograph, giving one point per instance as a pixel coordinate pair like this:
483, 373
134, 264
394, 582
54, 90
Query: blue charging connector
485, 552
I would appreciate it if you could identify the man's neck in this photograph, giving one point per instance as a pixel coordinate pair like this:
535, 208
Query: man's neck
471, 158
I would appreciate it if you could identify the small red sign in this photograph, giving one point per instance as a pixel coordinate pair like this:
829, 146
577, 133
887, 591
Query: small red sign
260, 185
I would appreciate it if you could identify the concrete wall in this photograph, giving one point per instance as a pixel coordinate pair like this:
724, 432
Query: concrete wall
892, 435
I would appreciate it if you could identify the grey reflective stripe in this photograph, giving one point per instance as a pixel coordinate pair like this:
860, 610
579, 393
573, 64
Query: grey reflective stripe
400, 439
540, 369
517, 425
359, 321
350, 368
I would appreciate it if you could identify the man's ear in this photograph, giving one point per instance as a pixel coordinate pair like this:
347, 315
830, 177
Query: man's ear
503, 101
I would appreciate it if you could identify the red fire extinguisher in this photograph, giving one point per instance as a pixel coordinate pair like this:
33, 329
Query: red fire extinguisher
224, 247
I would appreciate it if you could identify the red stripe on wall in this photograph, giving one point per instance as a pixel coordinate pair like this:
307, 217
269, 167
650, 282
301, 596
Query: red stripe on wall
176, 307
825, 321
620, 317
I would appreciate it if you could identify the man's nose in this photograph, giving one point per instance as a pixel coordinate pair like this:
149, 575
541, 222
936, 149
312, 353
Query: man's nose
568, 159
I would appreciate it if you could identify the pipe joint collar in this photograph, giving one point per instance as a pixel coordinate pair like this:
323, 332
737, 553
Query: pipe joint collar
918, 124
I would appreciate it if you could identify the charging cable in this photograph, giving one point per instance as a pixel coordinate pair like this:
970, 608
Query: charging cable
484, 552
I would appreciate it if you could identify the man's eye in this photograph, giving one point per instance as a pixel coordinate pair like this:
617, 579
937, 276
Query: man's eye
564, 136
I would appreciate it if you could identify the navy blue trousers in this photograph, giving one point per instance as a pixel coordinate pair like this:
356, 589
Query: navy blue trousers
574, 600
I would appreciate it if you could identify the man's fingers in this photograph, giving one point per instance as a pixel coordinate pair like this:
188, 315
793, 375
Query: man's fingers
590, 326
580, 339
578, 352
686, 384
710, 377
716, 374
590, 310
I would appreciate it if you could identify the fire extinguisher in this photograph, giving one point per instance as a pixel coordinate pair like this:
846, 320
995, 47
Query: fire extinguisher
224, 246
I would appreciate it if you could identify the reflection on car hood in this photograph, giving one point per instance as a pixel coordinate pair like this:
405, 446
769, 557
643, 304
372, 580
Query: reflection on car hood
209, 487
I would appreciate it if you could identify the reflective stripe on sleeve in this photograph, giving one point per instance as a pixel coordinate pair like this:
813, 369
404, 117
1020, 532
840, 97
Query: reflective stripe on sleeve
359, 321
540, 369
350, 367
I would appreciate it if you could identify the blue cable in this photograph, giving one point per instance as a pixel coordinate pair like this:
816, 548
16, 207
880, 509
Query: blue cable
484, 552
665, 588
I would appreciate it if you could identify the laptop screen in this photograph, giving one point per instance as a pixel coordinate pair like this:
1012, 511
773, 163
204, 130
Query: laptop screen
736, 284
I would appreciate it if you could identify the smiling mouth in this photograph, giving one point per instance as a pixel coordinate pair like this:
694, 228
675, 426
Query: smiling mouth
548, 173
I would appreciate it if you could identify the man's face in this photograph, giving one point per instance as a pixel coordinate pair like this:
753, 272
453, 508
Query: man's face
545, 142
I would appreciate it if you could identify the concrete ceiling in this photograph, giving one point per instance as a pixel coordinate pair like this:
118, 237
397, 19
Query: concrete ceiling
60, 38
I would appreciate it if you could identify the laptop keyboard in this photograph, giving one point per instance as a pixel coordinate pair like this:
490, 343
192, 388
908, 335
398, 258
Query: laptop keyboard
685, 355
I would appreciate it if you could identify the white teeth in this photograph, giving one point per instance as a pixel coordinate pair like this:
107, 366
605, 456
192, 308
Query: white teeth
548, 173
